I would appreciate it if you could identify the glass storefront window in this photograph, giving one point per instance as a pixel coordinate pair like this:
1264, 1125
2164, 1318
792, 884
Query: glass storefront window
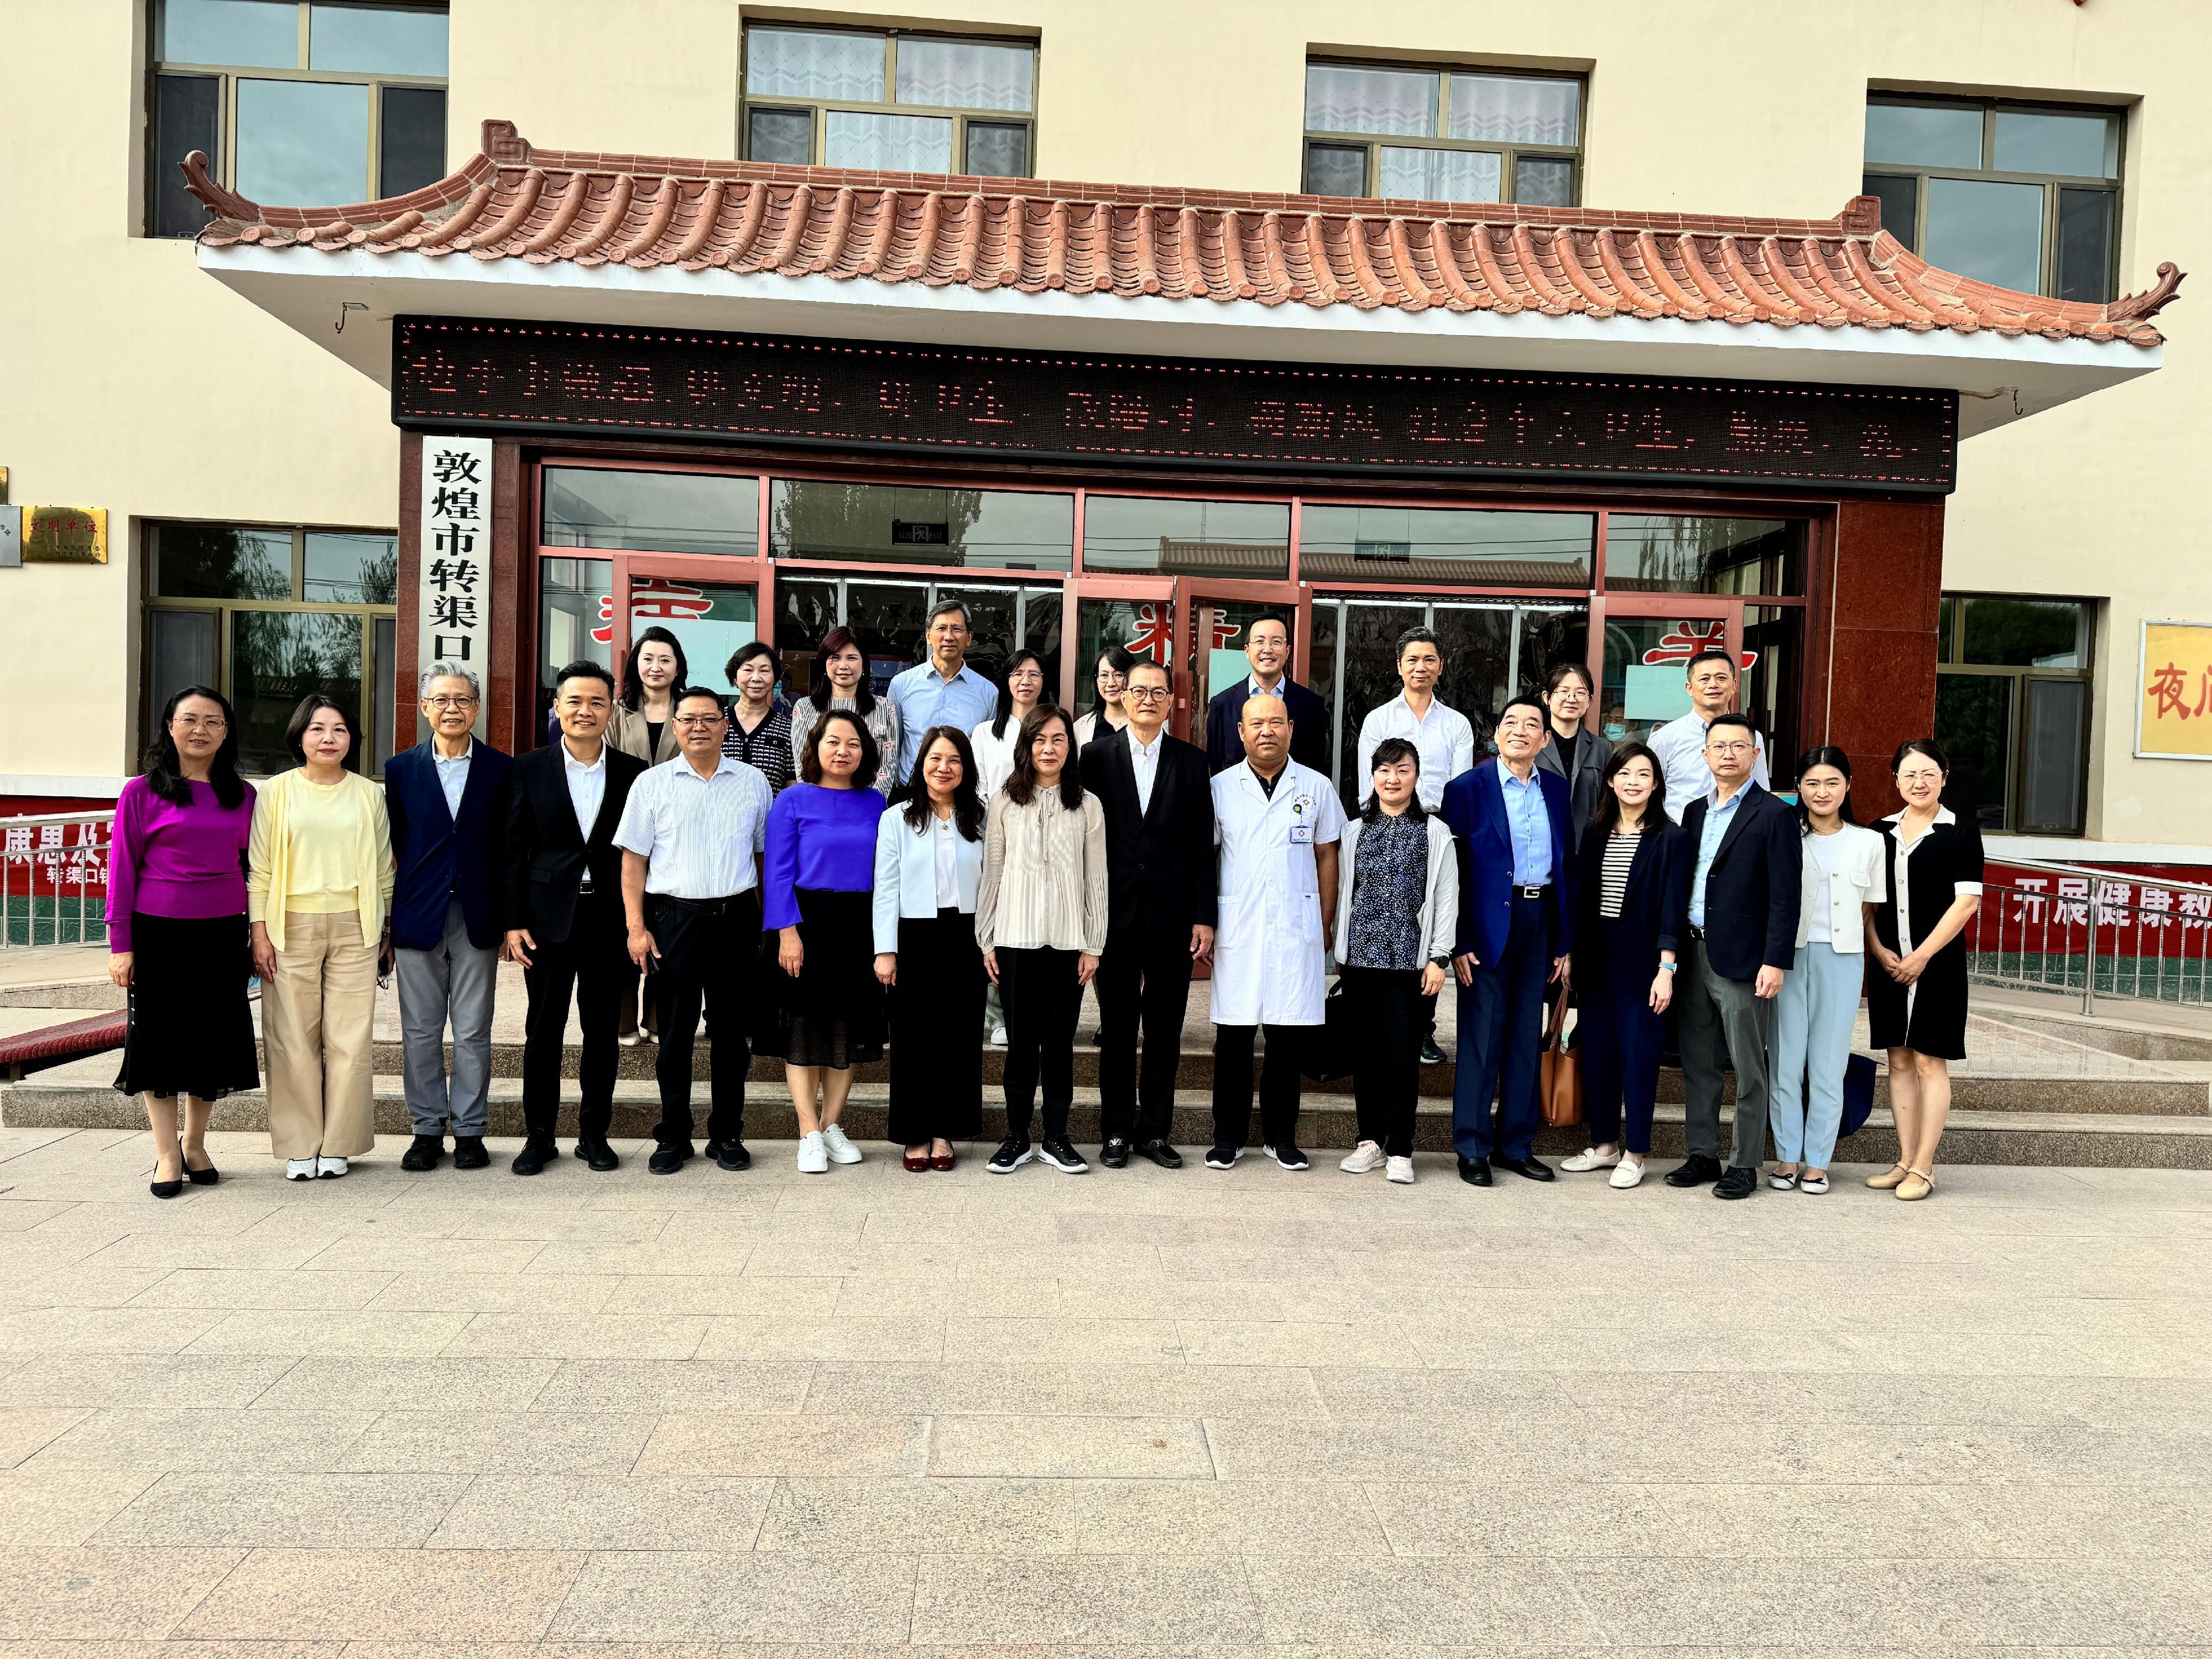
1249, 540
2025, 633
575, 620
1974, 722
278, 657
1445, 547
1658, 553
341, 569
2012, 707
651, 512
218, 562
881, 523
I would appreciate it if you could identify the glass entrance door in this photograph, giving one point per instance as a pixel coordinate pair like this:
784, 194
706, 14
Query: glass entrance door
712, 606
1648, 642
1220, 616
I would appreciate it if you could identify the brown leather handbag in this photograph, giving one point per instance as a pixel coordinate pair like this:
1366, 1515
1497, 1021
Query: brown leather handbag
1559, 1075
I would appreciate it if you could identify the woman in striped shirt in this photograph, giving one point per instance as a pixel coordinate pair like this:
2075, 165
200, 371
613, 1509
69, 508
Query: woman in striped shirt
1629, 919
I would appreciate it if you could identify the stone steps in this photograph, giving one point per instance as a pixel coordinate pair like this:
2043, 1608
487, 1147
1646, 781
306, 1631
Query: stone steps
2043, 1136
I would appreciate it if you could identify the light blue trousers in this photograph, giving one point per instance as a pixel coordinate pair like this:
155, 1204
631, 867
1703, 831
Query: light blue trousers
1812, 1040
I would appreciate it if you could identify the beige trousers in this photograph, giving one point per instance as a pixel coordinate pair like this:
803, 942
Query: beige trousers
318, 1016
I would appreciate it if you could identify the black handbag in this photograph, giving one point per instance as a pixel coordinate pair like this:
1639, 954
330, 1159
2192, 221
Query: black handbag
1858, 1095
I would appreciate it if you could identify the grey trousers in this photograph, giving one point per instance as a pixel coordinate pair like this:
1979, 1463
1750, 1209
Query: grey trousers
1722, 1021
455, 980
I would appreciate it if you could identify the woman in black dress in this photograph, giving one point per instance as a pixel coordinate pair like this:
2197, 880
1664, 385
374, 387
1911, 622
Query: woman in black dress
929, 860
1916, 1000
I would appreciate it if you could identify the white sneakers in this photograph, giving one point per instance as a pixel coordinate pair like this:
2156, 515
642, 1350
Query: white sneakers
841, 1150
1629, 1173
998, 1036
1400, 1169
813, 1154
329, 1169
299, 1169
1365, 1156
1589, 1159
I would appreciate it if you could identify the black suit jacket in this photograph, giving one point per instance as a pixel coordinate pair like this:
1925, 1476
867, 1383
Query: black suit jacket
546, 853
1309, 724
1752, 890
1159, 863
1651, 917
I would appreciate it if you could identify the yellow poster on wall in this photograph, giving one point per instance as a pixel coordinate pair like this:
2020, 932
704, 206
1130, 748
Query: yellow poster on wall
65, 535
2173, 710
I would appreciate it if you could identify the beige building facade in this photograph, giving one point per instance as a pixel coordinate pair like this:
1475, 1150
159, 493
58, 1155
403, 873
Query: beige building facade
146, 387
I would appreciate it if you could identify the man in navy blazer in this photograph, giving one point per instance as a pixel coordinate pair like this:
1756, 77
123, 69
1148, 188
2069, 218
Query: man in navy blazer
1510, 819
1267, 648
444, 799
1747, 856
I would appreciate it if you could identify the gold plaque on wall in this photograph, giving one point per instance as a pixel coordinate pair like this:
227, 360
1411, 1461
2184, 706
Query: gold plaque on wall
65, 535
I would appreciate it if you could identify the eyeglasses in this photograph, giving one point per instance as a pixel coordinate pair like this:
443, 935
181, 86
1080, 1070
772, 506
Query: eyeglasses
1150, 693
698, 720
451, 702
201, 723
1729, 748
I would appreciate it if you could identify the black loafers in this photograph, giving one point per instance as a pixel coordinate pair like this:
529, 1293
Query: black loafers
1696, 1171
1475, 1171
1738, 1182
1527, 1168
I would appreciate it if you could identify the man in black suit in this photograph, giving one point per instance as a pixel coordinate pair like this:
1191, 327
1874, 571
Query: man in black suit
1746, 854
1160, 901
564, 912
1267, 648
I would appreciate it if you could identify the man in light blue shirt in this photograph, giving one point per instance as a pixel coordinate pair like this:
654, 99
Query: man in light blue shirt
1717, 820
942, 691
1529, 825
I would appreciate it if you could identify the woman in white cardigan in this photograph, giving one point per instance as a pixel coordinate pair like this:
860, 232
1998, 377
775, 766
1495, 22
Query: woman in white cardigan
929, 859
1396, 909
1842, 882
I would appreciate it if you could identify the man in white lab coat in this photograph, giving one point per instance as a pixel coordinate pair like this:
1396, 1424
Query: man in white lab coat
1276, 822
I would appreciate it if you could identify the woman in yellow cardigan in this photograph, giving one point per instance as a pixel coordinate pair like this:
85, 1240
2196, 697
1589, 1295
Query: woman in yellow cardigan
319, 894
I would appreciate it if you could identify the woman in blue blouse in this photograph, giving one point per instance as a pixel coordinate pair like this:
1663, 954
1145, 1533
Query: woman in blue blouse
825, 1012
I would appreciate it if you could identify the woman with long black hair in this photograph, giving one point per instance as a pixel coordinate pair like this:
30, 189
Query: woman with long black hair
1630, 894
1840, 883
929, 861
841, 681
177, 935
655, 670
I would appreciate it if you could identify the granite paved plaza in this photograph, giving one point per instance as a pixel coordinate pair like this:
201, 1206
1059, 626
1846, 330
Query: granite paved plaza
1131, 1413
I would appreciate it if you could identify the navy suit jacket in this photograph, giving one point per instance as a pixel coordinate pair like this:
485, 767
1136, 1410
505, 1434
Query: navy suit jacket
1309, 725
438, 855
1652, 912
1752, 890
1474, 811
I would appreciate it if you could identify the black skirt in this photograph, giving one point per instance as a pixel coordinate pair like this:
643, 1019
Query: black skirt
937, 1031
833, 1014
191, 1029
1929, 1016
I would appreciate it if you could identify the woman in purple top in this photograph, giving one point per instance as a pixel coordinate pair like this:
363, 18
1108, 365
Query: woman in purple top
177, 936
824, 1011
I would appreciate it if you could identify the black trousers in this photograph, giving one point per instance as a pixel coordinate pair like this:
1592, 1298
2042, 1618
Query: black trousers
1387, 1010
1042, 998
1143, 982
1280, 1083
708, 954
936, 1059
592, 964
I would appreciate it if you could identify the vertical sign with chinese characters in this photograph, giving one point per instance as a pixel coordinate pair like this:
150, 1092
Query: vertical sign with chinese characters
455, 588
2173, 707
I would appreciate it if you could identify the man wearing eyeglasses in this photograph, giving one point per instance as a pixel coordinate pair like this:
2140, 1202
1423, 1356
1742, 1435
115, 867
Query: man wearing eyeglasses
1742, 938
443, 798
691, 836
1161, 902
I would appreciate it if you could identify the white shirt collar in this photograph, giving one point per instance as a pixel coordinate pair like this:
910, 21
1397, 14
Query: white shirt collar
1943, 815
1138, 745
568, 758
468, 753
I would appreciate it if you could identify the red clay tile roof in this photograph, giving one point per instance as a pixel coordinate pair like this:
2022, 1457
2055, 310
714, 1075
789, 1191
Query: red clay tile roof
514, 201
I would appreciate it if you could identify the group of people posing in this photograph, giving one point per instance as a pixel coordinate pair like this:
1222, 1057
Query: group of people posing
958, 857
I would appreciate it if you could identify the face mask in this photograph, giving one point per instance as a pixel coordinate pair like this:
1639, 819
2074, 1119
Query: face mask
1614, 731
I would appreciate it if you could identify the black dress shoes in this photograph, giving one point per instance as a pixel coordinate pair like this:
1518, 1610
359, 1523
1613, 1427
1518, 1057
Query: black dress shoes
534, 1157
1527, 1168
1738, 1182
166, 1188
1115, 1154
730, 1155
1475, 1171
1161, 1153
1430, 1054
595, 1155
206, 1177
1697, 1169
469, 1154
424, 1152
667, 1160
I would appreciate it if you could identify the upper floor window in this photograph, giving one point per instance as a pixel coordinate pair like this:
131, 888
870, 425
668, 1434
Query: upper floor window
2023, 196
1441, 135
296, 102
892, 102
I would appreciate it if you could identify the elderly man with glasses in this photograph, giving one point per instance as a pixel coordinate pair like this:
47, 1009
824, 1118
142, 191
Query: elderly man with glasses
443, 798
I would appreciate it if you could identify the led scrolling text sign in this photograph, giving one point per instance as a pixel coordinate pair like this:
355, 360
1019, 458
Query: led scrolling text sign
1043, 406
